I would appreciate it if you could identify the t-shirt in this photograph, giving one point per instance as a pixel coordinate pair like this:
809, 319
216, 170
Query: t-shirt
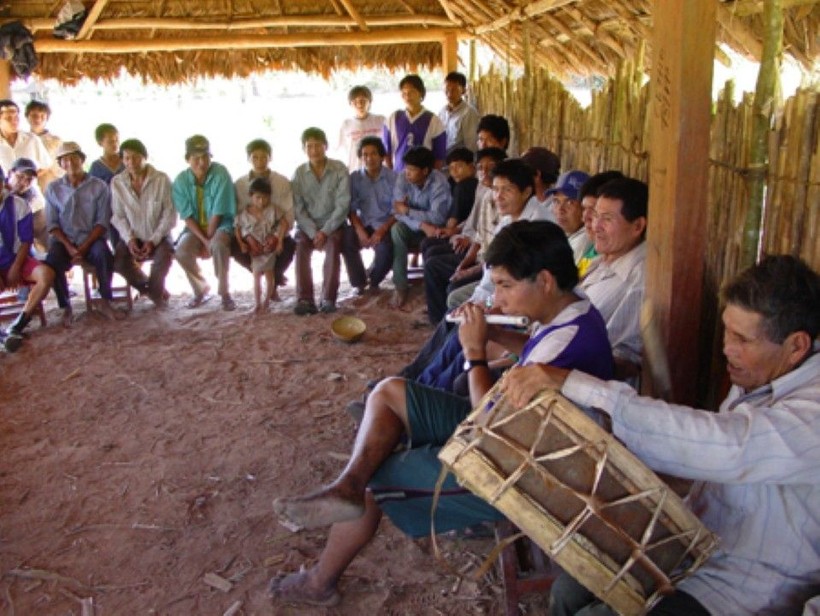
354, 130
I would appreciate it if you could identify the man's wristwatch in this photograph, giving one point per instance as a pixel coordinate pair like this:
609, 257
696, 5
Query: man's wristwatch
469, 364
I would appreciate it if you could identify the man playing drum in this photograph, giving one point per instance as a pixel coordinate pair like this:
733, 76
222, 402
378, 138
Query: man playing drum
534, 275
754, 462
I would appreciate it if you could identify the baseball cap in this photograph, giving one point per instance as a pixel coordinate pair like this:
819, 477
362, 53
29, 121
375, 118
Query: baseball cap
24, 165
569, 183
197, 144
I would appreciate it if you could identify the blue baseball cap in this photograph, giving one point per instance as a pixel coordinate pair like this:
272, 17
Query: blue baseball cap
569, 184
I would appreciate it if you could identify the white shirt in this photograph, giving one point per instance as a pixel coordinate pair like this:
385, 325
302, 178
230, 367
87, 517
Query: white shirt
756, 463
616, 290
461, 124
579, 242
354, 130
149, 216
27, 145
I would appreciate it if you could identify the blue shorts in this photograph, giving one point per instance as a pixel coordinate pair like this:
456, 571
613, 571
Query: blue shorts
404, 484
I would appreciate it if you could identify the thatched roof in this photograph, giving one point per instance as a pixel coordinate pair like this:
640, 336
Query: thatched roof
168, 41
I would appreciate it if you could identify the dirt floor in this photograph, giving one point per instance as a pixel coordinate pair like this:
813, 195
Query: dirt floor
139, 461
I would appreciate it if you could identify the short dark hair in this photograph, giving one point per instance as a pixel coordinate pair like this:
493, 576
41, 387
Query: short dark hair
633, 194
102, 130
497, 154
457, 77
134, 145
37, 106
594, 183
313, 133
524, 248
260, 185
462, 154
420, 157
7, 102
784, 290
414, 81
371, 140
357, 91
258, 144
516, 171
496, 125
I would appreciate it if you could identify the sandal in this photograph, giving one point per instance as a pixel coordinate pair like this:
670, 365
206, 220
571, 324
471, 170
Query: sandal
197, 300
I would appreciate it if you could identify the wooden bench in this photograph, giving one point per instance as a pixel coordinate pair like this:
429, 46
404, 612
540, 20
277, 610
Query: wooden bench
120, 293
11, 306
524, 567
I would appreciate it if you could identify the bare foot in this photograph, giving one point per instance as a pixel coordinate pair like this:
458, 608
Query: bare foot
274, 297
108, 311
68, 318
322, 508
298, 588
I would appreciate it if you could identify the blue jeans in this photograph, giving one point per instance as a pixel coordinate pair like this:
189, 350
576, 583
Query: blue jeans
98, 255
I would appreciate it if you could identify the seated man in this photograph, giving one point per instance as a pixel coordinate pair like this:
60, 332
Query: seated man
321, 202
421, 202
23, 182
371, 217
589, 198
259, 154
754, 462
17, 267
204, 196
144, 215
78, 213
566, 209
532, 267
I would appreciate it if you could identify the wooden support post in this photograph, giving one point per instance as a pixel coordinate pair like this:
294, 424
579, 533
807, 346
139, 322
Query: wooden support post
5, 79
449, 53
680, 94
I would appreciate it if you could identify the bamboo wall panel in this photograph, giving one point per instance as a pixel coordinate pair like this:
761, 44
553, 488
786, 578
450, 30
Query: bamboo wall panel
612, 133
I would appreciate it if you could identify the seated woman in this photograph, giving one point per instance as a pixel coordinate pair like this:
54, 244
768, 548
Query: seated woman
534, 276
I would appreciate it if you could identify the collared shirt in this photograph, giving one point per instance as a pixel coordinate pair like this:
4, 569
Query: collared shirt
430, 203
16, 227
77, 210
471, 227
353, 130
616, 290
27, 145
579, 242
485, 289
461, 125
372, 200
321, 204
758, 485
402, 132
547, 205
281, 195
149, 216
218, 193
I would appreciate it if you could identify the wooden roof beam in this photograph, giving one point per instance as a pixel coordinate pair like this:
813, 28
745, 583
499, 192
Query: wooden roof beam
448, 10
738, 30
354, 13
745, 8
91, 19
539, 7
285, 21
301, 39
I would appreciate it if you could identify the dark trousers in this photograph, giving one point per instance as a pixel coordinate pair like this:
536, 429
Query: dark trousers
128, 267
283, 261
330, 270
430, 349
98, 255
351, 253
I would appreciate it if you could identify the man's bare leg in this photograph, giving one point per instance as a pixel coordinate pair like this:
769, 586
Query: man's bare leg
383, 424
318, 585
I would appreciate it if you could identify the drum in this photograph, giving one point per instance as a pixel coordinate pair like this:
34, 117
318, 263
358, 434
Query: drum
590, 504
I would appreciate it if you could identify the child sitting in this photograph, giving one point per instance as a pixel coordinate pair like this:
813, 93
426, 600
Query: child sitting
260, 231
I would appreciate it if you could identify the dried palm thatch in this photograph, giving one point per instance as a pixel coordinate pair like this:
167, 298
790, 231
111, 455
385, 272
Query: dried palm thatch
168, 41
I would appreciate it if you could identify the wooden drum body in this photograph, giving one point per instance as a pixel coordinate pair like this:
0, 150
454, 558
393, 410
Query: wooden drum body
598, 511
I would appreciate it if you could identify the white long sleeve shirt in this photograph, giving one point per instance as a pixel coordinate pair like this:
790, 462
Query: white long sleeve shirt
149, 216
756, 463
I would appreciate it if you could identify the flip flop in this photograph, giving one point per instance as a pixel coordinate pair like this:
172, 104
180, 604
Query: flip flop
198, 300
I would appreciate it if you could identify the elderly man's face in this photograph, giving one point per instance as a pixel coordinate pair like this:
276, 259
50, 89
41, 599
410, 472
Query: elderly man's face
9, 119
752, 360
72, 164
615, 235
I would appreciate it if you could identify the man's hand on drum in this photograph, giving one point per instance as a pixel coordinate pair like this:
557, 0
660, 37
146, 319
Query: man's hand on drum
522, 383
472, 332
